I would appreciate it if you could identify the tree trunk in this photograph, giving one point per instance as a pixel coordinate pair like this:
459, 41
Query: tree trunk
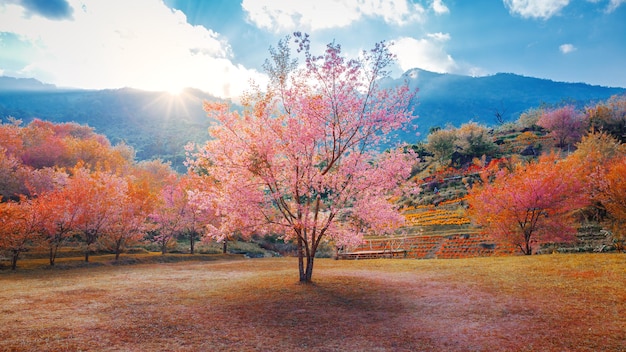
91, 236
14, 258
163, 244
53, 254
527, 246
191, 242
225, 246
301, 260
309, 268
118, 248
306, 273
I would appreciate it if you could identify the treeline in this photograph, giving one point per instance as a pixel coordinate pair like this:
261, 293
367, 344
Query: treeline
64, 183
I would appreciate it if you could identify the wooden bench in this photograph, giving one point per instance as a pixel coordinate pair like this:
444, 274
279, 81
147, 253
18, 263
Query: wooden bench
373, 254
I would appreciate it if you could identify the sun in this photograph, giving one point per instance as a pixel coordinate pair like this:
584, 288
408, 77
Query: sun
175, 90
172, 83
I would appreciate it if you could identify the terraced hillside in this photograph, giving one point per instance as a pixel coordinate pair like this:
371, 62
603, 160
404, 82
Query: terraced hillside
441, 231
430, 247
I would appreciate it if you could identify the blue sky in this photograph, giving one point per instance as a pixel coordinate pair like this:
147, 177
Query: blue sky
218, 46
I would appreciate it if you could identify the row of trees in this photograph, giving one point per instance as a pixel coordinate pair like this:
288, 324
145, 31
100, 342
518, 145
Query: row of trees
64, 182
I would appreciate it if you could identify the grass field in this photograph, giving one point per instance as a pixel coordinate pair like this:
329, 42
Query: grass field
540, 303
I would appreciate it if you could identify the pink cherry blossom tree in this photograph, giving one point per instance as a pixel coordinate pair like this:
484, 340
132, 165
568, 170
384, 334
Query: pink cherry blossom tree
169, 213
197, 217
566, 125
303, 159
177, 214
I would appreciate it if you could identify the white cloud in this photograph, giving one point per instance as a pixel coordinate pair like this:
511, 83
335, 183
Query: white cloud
543, 9
439, 7
614, 4
116, 43
280, 16
611, 6
567, 48
426, 53
440, 37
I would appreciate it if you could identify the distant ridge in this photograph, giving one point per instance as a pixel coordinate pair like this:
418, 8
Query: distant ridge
24, 84
155, 124
456, 99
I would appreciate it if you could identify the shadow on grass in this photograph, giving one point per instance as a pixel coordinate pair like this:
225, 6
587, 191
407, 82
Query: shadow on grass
334, 313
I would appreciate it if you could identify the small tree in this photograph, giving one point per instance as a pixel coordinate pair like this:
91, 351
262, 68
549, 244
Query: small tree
129, 223
13, 176
474, 140
529, 118
63, 207
20, 226
441, 143
595, 153
609, 117
529, 206
198, 215
98, 196
301, 158
566, 125
169, 213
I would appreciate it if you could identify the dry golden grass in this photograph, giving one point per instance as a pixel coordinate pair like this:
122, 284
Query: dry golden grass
540, 303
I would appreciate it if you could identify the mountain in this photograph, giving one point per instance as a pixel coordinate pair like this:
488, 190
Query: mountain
455, 99
158, 124
155, 124
8, 84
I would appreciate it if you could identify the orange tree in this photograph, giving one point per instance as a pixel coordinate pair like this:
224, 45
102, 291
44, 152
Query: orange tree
530, 205
593, 157
129, 222
612, 194
63, 206
20, 225
609, 116
98, 196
